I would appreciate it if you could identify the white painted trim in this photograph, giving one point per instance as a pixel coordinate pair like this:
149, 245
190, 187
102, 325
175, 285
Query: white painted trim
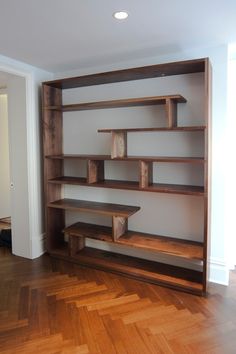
32, 167
231, 266
38, 246
219, 271
229, 168
31, 152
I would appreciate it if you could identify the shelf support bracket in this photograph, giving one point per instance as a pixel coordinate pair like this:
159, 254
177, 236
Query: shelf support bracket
145, 174
171, 113
119, 226
76, 243
118, 144
95, 171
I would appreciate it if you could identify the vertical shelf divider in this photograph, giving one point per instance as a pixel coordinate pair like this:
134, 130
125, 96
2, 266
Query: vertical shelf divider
118, 144
171, 113
119, 226
75, 244
95, 171
145, 174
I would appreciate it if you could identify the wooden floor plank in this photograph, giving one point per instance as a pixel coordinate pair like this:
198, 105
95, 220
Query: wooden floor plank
51, 306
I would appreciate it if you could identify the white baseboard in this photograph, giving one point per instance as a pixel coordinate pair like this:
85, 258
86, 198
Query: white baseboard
219, 272
38, 246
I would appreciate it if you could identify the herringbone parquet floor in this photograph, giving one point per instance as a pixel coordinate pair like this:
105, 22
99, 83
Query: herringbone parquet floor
56, 307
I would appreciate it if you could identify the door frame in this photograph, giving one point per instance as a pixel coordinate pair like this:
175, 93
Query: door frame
32, 169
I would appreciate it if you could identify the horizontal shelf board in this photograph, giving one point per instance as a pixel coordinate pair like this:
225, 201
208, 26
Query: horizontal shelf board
160, 244
130, 158
145, 72
157, 273
95, 207
132, 185
163, 129
130, 102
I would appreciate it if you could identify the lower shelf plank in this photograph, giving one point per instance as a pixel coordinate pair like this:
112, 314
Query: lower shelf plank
160, 244
153, 272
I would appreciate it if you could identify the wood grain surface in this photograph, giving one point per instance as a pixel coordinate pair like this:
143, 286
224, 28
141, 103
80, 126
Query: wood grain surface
54, 307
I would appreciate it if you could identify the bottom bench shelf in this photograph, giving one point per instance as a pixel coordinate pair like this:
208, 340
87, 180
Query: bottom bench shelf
153, 272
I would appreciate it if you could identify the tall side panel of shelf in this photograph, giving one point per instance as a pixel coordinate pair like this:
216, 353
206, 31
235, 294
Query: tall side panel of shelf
52, 144
207, 172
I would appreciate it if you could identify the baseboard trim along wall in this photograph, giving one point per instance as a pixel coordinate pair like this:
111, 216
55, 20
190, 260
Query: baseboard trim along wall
219, 272
38, 246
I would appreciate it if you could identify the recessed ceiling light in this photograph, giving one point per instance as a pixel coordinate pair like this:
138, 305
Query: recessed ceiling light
120, 15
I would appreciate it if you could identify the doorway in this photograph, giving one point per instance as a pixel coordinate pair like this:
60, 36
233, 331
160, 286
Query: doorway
5, 196
14, 171
23, 87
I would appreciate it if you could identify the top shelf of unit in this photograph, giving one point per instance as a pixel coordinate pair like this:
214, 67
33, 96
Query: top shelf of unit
130, 102
145, 72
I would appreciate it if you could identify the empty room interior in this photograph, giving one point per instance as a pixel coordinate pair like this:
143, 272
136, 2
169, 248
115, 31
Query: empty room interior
117, 150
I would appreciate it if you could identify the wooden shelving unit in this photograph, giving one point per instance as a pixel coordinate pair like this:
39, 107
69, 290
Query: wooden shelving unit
118, 234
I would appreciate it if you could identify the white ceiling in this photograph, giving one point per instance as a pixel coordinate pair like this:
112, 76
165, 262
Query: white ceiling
60, 35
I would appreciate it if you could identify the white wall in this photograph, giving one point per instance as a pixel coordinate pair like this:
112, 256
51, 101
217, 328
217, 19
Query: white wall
218, 57
230, 168
5, 209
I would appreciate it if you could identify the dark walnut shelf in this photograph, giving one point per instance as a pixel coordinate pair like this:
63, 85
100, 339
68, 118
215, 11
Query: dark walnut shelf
153, 272
130, 102
144, 72
132, 186
95, 207
197, 160
119, 136
96, 175
161, 129
159, 244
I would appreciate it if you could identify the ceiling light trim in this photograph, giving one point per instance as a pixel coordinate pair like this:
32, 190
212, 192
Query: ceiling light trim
121, 15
